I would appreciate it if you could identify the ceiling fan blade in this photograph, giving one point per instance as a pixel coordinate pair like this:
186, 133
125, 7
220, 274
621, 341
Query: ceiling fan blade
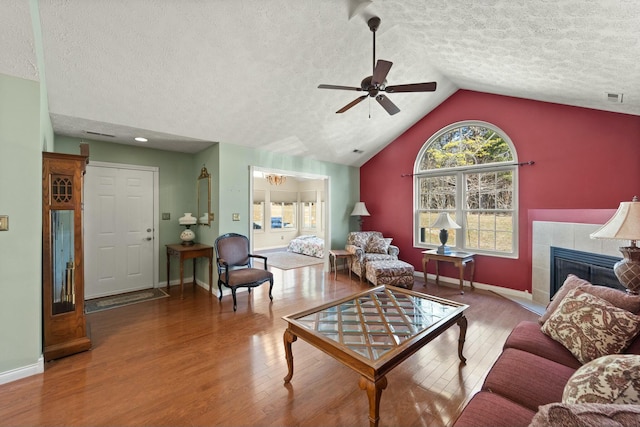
381, 71
413, 87
339, 87
351, 104
387, 104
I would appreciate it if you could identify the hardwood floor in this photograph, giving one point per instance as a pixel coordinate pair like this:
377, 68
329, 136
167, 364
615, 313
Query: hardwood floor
196, 362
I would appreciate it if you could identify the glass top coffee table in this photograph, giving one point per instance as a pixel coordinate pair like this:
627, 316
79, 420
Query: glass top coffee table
374, 331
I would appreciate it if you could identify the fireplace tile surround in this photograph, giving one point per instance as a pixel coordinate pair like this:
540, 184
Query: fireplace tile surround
565, 235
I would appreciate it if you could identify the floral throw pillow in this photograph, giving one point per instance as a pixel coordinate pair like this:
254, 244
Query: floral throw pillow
614, 296
608, 379
586, 414
590, 327
376, 245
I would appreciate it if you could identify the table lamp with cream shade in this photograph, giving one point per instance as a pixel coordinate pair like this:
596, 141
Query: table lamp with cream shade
360, 209
187, 236
444, 223
625, 225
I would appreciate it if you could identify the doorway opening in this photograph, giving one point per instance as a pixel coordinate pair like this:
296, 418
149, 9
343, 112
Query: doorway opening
289, 211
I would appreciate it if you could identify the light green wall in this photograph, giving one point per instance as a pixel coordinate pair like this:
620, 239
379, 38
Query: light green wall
21, 246
234, 182
229, 166
177, 183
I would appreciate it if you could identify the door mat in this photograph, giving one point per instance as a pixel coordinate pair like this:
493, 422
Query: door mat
288, 260
115, 301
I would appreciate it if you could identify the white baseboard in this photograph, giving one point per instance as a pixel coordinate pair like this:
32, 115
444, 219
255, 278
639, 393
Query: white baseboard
454, 282
22, 372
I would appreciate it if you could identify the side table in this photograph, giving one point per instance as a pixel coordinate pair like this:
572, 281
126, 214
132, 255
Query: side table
458, 259
334, 255
194, 251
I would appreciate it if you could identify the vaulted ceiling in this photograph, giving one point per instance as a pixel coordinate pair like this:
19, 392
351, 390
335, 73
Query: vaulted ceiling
186, 74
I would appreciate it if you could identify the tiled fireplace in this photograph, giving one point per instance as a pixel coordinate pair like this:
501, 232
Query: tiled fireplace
547, 234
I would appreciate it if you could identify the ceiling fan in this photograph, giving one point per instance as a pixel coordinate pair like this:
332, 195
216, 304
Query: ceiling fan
376, 83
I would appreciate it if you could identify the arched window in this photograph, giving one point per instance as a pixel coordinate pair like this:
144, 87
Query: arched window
469, 170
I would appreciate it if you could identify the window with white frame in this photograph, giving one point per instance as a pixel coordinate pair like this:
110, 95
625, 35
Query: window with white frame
309, 209
283, 210
468, 169
258, 210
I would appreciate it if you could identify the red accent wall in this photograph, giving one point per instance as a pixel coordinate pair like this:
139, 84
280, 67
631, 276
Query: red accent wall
584, 160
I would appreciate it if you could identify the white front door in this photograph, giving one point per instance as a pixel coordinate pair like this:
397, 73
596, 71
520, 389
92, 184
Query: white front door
119, 229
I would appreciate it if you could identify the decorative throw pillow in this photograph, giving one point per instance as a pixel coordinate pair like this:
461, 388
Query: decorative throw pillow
608, 379
360, 239
376, 245
590, 327
586, 415
616, 297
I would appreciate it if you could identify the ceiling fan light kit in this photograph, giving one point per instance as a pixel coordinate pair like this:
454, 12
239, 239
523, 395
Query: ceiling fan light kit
376, 82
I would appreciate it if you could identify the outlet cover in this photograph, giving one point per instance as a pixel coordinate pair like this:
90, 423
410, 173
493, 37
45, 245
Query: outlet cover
4, 222
235, 217
166, 215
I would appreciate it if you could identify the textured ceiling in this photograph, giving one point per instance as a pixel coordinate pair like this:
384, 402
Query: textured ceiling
192, 72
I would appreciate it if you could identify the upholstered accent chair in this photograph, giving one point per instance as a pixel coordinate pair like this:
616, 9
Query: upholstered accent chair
235, 266
369, 246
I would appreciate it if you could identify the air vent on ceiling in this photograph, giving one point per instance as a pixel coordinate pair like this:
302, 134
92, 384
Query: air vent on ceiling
358, 151
99, 134
614, 97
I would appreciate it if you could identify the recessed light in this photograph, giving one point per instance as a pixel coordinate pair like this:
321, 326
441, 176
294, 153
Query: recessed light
141, 139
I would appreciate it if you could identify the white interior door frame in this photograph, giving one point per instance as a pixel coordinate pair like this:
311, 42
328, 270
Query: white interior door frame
327, 205
156, 208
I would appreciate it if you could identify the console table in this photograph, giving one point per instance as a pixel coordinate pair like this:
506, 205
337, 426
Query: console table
458, 259
197, 250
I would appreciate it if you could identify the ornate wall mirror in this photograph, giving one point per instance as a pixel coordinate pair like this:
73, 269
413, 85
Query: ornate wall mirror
204, 197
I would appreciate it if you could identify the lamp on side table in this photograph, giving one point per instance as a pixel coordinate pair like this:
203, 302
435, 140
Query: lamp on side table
625, 225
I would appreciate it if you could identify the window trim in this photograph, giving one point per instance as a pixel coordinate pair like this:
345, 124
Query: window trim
459, 172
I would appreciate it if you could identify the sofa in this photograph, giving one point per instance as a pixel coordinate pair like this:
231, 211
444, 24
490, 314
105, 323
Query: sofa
366, 246
578, 365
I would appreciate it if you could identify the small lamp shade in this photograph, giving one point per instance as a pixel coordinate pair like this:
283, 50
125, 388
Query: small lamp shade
625, 225
187, 219
360, 210
444, 223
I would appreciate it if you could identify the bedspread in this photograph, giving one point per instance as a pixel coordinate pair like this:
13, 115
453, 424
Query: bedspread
307, 245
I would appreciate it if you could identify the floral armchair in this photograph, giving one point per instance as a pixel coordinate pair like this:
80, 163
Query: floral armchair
369, 246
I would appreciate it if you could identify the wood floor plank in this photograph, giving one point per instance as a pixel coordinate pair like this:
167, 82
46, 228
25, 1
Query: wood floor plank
195, 361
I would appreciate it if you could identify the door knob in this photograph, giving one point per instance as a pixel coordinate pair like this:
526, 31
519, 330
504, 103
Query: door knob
149, 238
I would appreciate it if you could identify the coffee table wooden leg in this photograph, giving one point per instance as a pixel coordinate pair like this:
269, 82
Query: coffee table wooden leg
288, 339
374, 392
462, 323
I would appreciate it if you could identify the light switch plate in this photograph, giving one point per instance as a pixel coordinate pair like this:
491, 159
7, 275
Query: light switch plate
166, 215
235, 217
4, 222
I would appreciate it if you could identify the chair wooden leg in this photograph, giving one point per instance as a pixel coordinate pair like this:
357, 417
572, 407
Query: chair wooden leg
270, 289
219, 291
233, 293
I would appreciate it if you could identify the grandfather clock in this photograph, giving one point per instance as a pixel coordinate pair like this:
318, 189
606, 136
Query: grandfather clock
64, 324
